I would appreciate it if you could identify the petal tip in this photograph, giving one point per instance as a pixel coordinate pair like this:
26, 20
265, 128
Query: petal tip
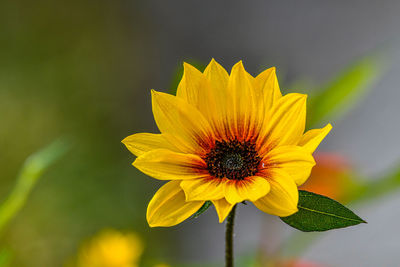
152, 223
212, 65
237, 67
137, 162
301, 98
154, 93
240, 64
186, 65
294, 211
156, 96
123, 141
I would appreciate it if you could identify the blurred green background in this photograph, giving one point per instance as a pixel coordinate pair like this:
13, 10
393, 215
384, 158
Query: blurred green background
71, 69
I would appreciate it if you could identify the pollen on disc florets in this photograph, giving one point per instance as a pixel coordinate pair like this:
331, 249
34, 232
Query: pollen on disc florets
233, 159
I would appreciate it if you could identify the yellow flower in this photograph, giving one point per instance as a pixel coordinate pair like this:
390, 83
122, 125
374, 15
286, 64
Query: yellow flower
226, 138
111, 248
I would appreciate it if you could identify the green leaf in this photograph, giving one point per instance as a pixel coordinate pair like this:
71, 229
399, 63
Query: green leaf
33, 168
5, 257
203, 208
319, 213
338, 96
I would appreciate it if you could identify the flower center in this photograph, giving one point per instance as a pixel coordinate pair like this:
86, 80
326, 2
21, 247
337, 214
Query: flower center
233, 160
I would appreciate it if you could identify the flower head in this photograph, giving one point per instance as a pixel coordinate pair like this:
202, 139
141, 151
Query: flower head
111, 248
226, 138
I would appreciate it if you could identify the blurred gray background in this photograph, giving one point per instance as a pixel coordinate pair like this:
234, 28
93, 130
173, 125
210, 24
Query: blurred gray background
303, 39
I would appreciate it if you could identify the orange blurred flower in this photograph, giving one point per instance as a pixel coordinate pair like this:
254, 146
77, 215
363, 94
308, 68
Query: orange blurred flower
297, 263
331, 177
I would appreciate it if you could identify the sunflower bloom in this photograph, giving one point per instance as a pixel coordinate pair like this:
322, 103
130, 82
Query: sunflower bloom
226, 138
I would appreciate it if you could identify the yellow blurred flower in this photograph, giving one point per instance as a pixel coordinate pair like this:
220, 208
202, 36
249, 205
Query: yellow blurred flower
162, 265
226, 138
111, 248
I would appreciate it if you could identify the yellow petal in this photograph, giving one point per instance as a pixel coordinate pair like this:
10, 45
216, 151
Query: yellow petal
283, 197
220, 98
203, 189
286, 124
181, 124
168, 206
311, 139
141, 143
243, 114
191, 84
223, 208
216, 75
267, 83
207, 92
251, 188
294, 160
164, 164
195, 89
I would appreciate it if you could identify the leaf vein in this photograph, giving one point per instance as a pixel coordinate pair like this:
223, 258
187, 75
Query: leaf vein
330, 214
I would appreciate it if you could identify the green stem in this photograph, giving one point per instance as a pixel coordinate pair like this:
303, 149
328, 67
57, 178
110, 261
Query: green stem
32, 170
229, 238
